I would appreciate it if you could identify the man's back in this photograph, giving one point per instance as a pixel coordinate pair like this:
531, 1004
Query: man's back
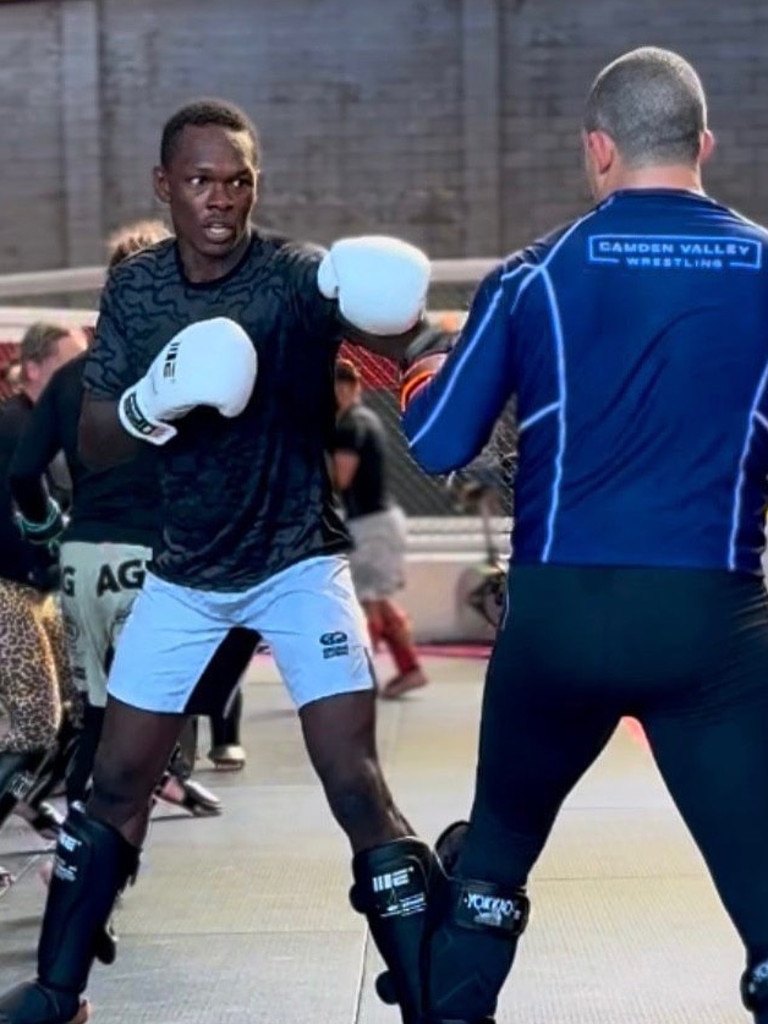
636, 341
654, 327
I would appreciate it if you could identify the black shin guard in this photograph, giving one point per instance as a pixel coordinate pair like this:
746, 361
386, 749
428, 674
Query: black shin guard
471, 949
93, 864
391, 888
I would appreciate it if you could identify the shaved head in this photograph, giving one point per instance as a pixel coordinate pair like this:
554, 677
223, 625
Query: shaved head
652, 105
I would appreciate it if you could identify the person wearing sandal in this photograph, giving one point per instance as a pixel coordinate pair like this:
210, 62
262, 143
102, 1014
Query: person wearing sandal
227, 753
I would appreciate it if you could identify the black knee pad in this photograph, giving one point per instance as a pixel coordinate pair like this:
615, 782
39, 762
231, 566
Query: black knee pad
754, 987
471, 950
391, 888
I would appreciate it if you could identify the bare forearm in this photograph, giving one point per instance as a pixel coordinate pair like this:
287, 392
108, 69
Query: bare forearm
102, 440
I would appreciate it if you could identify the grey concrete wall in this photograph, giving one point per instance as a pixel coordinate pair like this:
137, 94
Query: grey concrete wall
451, 122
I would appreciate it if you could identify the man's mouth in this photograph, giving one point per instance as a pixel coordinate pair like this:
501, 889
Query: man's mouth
217, 232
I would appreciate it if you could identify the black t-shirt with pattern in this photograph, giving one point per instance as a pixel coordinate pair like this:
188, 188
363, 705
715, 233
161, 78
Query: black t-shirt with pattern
242, 498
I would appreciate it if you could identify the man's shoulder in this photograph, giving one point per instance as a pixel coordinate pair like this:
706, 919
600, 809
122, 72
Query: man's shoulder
67, 380
143, 268
358, 419
284, 250
741, 223
533, 255
15, 406
71, 370
367, 418
547, 245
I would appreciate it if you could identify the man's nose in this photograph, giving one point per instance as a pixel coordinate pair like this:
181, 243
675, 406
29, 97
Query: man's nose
219, 197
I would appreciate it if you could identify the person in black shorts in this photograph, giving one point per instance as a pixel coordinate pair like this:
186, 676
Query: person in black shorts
377, 526
216, 348
635, 341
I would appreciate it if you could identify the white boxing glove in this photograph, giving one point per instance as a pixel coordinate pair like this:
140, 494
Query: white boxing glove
380, 282
211, 362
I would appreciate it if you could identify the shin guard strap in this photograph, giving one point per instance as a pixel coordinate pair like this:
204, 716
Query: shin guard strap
488, 907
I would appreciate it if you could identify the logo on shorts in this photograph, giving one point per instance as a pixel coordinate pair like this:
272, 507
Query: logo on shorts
335, 645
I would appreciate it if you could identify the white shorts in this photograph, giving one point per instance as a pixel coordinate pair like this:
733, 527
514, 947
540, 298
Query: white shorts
308, 614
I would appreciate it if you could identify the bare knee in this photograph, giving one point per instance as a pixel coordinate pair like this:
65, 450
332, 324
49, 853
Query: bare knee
121, 793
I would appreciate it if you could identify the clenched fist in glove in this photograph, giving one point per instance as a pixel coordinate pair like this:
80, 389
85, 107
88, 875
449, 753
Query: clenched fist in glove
380, 282
212, 362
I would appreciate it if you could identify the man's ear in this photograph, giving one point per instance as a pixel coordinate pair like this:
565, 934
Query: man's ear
707, 145
160, 184
602, 149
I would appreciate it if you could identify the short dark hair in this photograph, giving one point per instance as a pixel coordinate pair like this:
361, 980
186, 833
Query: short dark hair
200, 114
652, 104
345, 371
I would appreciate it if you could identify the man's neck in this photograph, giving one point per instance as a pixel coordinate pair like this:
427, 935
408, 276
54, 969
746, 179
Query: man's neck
682, 178
30, 391
204, 270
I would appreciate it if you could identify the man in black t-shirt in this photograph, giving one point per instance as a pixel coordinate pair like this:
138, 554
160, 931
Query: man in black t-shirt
36, 687
377, 526
218, 347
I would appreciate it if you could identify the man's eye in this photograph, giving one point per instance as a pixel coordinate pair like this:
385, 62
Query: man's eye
198, 180
241, 183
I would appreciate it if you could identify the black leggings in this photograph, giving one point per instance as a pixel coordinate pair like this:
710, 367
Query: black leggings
684, 651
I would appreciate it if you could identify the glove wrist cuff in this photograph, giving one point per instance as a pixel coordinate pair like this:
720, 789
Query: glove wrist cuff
48, 530
138, 421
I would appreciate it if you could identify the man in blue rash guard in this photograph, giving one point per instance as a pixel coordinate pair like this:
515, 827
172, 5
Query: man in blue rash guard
636, 343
